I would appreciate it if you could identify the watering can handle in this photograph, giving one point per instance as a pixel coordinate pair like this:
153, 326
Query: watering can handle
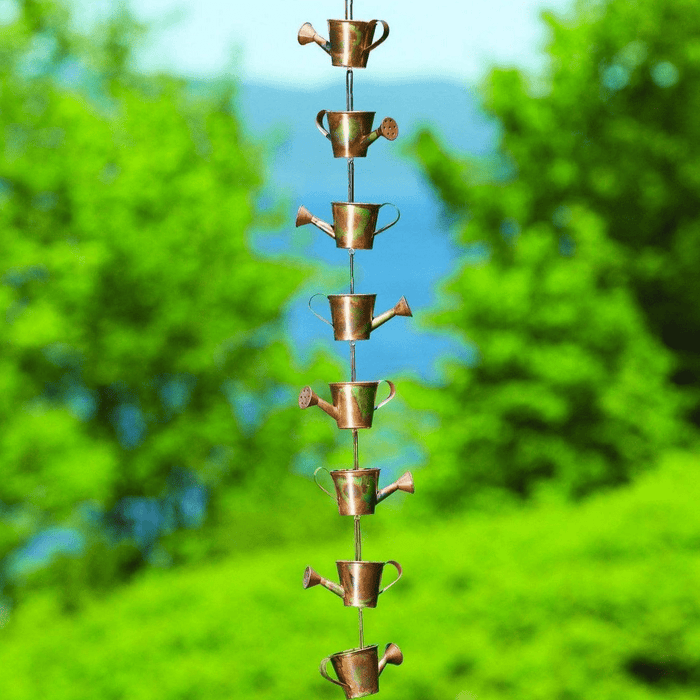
398, 216
324, 673
392, 393
319, 123
399, 569
382, 38
319, 485
319, 294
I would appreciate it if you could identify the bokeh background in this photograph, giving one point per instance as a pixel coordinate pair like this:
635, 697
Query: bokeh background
156, 501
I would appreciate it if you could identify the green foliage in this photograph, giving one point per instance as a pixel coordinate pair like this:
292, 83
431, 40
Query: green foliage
142, 337
569, 386
553, 601
579, 282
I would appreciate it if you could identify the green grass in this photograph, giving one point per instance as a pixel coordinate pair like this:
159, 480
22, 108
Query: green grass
553, 602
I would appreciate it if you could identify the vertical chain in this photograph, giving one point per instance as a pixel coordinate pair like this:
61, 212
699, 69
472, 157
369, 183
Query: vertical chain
351, 179
358, 557
352, 271
349, 102
349, 96
349, 85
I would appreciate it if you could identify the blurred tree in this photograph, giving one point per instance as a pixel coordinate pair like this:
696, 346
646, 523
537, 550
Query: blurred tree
141, 360
580, 288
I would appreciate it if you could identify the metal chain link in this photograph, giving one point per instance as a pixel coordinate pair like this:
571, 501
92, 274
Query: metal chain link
349, 101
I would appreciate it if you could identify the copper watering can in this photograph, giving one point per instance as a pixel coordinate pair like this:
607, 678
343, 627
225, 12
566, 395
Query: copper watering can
351, 132
358, 670
356, 489
360, 581
350, 40
354, 223
352, 315
353, 402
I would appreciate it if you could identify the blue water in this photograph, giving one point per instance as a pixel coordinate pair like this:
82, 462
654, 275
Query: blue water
410, 258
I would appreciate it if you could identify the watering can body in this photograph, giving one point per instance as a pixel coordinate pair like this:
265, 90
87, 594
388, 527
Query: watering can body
351, 134
353, 315
353, 402
350, 40
357, 492
360, 581
358, 670
354, 223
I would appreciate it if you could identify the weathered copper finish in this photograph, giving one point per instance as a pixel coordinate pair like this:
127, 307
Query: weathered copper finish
356, 491
311, 578
350, 40
358, 670
351, 132
354, 223
353, 402
360, 581
403, 483
352, 318
352, 315
307, 34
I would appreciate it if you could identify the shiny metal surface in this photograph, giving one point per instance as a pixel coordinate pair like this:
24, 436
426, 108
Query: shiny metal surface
350, 133
354, 223
352, 318
358, 670
356, 491
353, 402
403, 483
360, 581
350, 41
308, 34
353, 315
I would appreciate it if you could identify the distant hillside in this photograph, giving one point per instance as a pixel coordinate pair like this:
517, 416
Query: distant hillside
410, 258
303, 162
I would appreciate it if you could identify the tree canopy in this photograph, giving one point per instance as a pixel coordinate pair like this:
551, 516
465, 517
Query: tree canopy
579, 288
142, 354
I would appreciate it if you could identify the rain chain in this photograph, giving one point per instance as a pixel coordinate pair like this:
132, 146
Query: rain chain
352, 318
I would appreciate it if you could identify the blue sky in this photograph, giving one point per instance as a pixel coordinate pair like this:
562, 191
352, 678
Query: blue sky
448, 38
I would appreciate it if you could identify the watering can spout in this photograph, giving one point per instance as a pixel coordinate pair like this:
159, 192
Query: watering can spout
401, 309
308, 397
403, 483
311, 578
307, 34
388, 129
392, 655
304, 216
